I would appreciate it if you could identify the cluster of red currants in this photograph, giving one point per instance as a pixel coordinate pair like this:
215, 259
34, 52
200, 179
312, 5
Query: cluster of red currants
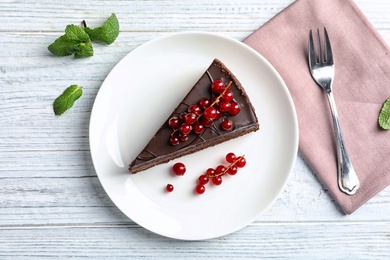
204, 113
211, 175
215, 175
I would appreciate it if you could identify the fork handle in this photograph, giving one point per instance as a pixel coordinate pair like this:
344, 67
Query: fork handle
347, 179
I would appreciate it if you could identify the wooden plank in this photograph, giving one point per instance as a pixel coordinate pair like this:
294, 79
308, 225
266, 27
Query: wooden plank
266, 240
138, 16
155, 15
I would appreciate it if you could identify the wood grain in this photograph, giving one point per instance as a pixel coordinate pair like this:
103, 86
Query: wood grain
51, 201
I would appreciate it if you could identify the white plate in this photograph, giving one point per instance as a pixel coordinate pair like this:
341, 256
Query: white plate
136, 98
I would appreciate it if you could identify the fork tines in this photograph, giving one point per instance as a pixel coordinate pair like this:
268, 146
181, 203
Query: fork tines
325, 57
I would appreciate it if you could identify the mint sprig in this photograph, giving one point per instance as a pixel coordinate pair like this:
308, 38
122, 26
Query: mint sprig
67, 99
77, 40
106, 33
384, 115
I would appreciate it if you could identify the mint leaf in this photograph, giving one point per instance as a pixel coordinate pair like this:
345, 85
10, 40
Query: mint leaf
60, 47
83, 50
107, 33
67, 99
75, 41
76, 34
384, 115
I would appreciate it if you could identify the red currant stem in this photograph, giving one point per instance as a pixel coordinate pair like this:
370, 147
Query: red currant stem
230, 166
223, 92
219, 97
174, 131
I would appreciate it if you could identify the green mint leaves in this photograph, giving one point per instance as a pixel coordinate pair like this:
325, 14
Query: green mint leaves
67, 99
107, 33
77, 40
384, 115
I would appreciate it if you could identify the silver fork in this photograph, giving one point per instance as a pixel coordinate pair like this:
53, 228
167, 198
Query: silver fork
322, 71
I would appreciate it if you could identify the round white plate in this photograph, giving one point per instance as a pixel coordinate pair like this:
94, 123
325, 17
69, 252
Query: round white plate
136, 98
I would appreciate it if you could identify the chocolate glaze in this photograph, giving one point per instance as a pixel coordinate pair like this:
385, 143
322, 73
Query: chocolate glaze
158, 150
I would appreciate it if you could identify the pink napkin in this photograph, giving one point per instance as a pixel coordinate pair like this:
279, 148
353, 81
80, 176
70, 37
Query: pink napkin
361, 85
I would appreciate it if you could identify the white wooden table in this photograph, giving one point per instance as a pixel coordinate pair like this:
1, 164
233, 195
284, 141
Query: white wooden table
51, 202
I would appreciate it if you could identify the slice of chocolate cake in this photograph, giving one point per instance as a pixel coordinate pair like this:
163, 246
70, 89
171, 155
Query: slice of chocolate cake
216, 109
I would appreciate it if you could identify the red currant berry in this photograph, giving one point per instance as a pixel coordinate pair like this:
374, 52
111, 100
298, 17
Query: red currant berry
185, 128
232, 170
204, 103
190, 118
203, 179
179, 168
220, 170
182, 137
224, 106
210, 172
210, 113
217, 180
200, 189
174, 122
227, 124
182, 117
198, 128
169, 187
230, 157
234, 108
218, 86
219, 114
194, 109
227, 95
206, 122
174, 140
241, 162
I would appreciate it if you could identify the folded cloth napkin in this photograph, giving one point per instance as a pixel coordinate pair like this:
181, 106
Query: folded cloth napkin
360, 86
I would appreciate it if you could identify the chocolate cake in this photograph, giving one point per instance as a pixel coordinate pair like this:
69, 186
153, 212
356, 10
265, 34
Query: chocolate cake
168, 143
